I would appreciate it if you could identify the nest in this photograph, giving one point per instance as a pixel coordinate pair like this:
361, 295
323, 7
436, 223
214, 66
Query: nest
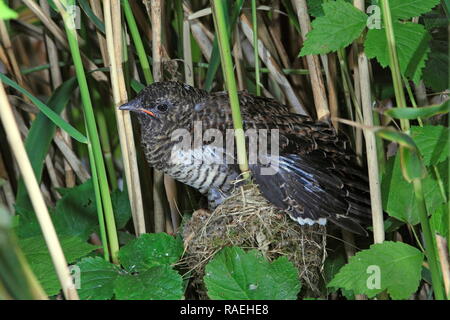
248, 220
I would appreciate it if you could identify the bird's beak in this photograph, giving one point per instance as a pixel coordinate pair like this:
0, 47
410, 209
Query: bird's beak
130, 106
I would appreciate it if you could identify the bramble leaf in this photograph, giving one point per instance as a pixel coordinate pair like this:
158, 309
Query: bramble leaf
36, 252
97, 278
236, 274
340, 26
412, 42
405, 9
433, 143
149, 250
157, 283
392, 266
398, 196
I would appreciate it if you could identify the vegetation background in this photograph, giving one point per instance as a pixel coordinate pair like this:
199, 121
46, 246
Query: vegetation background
78, 196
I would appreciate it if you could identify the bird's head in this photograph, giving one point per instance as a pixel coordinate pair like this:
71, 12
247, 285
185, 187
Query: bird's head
164, 104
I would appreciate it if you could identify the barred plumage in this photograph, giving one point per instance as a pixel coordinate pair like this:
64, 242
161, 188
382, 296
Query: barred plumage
317, 178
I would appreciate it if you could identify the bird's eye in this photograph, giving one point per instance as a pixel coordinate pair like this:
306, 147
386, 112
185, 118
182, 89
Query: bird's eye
162, 107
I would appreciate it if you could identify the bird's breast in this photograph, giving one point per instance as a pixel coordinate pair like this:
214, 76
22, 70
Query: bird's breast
202, 168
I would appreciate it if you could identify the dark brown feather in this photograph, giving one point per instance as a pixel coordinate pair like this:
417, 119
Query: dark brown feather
318, 177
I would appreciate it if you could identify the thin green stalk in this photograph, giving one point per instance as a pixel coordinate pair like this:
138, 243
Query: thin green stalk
95, 151
347, 79
179, 21
435, 169
429, 241
347, 92
105, 141
227, 67
411, 97
417, 183
440, 183
106, 145
214, 61
416, 237
255, 47
37, 200
99, 206
393, 58
137, 42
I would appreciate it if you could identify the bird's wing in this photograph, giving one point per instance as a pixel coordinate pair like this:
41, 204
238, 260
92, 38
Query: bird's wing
310, 194
315, 174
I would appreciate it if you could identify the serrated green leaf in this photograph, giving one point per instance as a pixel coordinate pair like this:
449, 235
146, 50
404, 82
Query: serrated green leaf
433, 143
412, 42
149, 250
398, 194
97, 278
315, 7
405, 9
7, 13
75, 213
27, 225
235, 274
38, 257
392, 266
439, 220
435, 74
157, 283
340, 26
121, 206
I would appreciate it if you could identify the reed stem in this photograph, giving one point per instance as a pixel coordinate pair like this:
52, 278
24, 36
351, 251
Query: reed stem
96, 154
227, 68
417, 183
255, 47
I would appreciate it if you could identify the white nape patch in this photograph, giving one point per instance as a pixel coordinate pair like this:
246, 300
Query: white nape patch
308, 221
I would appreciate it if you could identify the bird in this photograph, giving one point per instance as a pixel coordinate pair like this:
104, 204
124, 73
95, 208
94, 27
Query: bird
313, 175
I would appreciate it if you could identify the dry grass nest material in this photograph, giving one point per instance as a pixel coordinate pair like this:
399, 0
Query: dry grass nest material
249, 221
